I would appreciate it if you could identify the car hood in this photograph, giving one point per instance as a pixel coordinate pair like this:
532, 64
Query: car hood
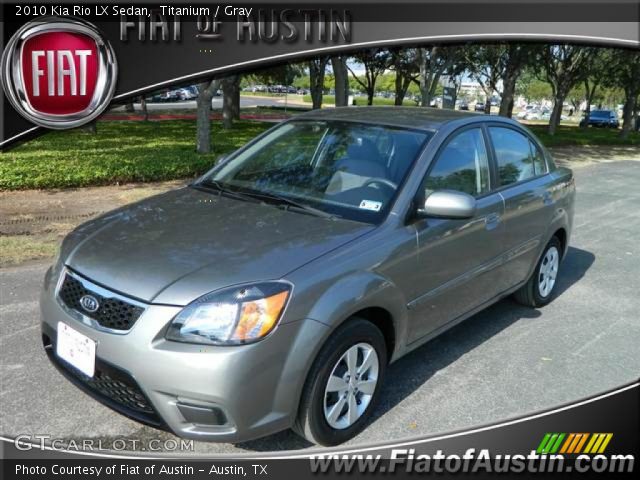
175, 247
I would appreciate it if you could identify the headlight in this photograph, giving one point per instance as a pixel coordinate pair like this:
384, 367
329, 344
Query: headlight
232, 316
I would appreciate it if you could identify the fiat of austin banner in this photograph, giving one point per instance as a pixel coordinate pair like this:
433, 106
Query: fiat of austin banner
300, 239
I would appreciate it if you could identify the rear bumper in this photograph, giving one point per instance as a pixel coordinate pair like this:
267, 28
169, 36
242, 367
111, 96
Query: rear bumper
227, 394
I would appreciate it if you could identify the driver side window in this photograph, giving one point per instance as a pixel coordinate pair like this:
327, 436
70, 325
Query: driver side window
463, 165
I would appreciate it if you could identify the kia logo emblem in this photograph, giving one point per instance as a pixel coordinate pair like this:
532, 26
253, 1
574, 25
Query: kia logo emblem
89, 303
59, 73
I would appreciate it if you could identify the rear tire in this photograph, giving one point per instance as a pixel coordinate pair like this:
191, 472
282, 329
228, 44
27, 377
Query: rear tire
539, 289
337, 400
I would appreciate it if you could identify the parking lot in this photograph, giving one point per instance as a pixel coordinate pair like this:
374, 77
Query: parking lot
503, 362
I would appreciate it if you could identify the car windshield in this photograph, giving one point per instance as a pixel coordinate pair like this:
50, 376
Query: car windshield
600, 114
344, 169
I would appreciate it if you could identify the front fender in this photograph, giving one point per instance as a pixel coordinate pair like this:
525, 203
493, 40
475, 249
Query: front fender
357, 291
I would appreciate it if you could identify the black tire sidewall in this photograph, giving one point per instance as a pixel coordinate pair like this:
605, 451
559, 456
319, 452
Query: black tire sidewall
359, 331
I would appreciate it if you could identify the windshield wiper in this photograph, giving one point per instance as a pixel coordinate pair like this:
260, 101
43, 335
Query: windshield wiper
290, 203
207, 184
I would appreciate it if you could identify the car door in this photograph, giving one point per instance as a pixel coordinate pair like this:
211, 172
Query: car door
524, 185
455, 268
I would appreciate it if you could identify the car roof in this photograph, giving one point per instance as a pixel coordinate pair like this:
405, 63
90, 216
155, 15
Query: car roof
423, 118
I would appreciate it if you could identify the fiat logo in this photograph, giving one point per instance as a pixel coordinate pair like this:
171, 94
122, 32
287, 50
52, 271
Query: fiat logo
89, 303
59, 73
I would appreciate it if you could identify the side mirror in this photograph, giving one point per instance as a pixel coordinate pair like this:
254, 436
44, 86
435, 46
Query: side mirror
448, 204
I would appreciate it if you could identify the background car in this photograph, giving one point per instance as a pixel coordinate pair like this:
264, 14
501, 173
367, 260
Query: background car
601, 118
527, 109
187, 93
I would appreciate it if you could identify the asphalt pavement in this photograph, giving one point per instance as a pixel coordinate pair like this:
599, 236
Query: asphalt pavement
504, 362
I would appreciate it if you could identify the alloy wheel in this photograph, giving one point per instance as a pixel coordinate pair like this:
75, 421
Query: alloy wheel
351, 386
548, 271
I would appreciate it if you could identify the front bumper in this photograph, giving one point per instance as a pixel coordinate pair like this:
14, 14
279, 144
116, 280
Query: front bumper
212, 393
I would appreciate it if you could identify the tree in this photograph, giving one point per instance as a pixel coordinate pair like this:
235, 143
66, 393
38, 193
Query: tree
230, 100
317, 68
143, 107
405, 65
433, 62
283, 74
626, 72
515, 58
484, 64
496, 68
375, 62
563, 66
531, 87
206, 90
599, 70
341, 77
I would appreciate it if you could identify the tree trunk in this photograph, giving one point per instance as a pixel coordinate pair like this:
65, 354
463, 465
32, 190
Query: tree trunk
425, 86
402, 85
370, 94
508, 93
143, 108
428, 85
590, 93
203, 135
228, 97
510, 78
236, 98
341, 75
316, 81
398, 90
631, 91
487, 106
627, 115
429, 78
90, 128
556, 115
129, 108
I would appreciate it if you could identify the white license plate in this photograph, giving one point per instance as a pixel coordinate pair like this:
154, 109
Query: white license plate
76, 348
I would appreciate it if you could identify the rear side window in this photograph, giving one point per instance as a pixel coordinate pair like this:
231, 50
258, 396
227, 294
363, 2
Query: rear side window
462, 165
539, 164
517, 158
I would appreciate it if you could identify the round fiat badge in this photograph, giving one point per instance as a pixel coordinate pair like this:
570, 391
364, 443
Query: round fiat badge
59, 72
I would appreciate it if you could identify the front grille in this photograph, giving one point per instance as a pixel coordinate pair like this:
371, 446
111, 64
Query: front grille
110, 385
113, 313
122, 389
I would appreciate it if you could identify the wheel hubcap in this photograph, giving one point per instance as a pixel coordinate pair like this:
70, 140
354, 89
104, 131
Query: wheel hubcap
548, 271
351, 386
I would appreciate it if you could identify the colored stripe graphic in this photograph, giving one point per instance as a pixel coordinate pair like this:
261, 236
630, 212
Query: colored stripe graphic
555, 443
592, 440
581, 443
550, 443
543, 443
605, 442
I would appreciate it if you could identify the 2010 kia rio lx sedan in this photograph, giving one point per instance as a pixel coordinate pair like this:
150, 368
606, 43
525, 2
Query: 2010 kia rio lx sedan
274, 291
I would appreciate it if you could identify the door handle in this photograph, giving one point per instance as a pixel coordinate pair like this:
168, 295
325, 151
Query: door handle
491, 221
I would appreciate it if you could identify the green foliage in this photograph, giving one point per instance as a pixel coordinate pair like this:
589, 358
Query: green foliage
120, 152
532, 88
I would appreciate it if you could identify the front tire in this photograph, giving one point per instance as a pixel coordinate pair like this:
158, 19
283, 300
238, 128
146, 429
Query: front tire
538, 291
343, 385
